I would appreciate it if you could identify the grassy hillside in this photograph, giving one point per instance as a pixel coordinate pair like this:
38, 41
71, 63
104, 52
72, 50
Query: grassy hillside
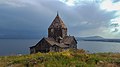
67, 58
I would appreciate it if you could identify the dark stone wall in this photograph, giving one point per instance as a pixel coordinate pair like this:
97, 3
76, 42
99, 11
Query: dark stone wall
43, 46
56, 32
64, 32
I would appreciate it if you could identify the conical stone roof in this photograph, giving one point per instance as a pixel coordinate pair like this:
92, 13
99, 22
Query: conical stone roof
57, 23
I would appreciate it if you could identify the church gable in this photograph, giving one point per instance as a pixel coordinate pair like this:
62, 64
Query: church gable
69, 40
42, 46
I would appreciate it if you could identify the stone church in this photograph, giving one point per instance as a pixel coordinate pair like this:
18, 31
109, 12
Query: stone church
57, 39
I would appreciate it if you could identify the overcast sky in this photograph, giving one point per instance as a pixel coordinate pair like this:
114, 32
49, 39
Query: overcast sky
82, 17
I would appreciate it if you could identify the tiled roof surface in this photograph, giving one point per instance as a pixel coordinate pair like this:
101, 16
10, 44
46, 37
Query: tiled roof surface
52, 42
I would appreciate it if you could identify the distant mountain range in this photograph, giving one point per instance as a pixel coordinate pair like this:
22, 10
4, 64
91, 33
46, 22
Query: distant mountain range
93, 37
97, 38
89, 38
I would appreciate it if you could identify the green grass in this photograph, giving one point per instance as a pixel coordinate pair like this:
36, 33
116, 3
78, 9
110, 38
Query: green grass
67, 58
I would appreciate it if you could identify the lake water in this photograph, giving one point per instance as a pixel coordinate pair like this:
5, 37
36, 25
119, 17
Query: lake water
21, 46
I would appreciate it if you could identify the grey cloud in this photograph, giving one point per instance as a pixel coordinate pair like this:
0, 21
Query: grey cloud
116, 1
115, 30
93, 15
114, 25
36, 16
22, 21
